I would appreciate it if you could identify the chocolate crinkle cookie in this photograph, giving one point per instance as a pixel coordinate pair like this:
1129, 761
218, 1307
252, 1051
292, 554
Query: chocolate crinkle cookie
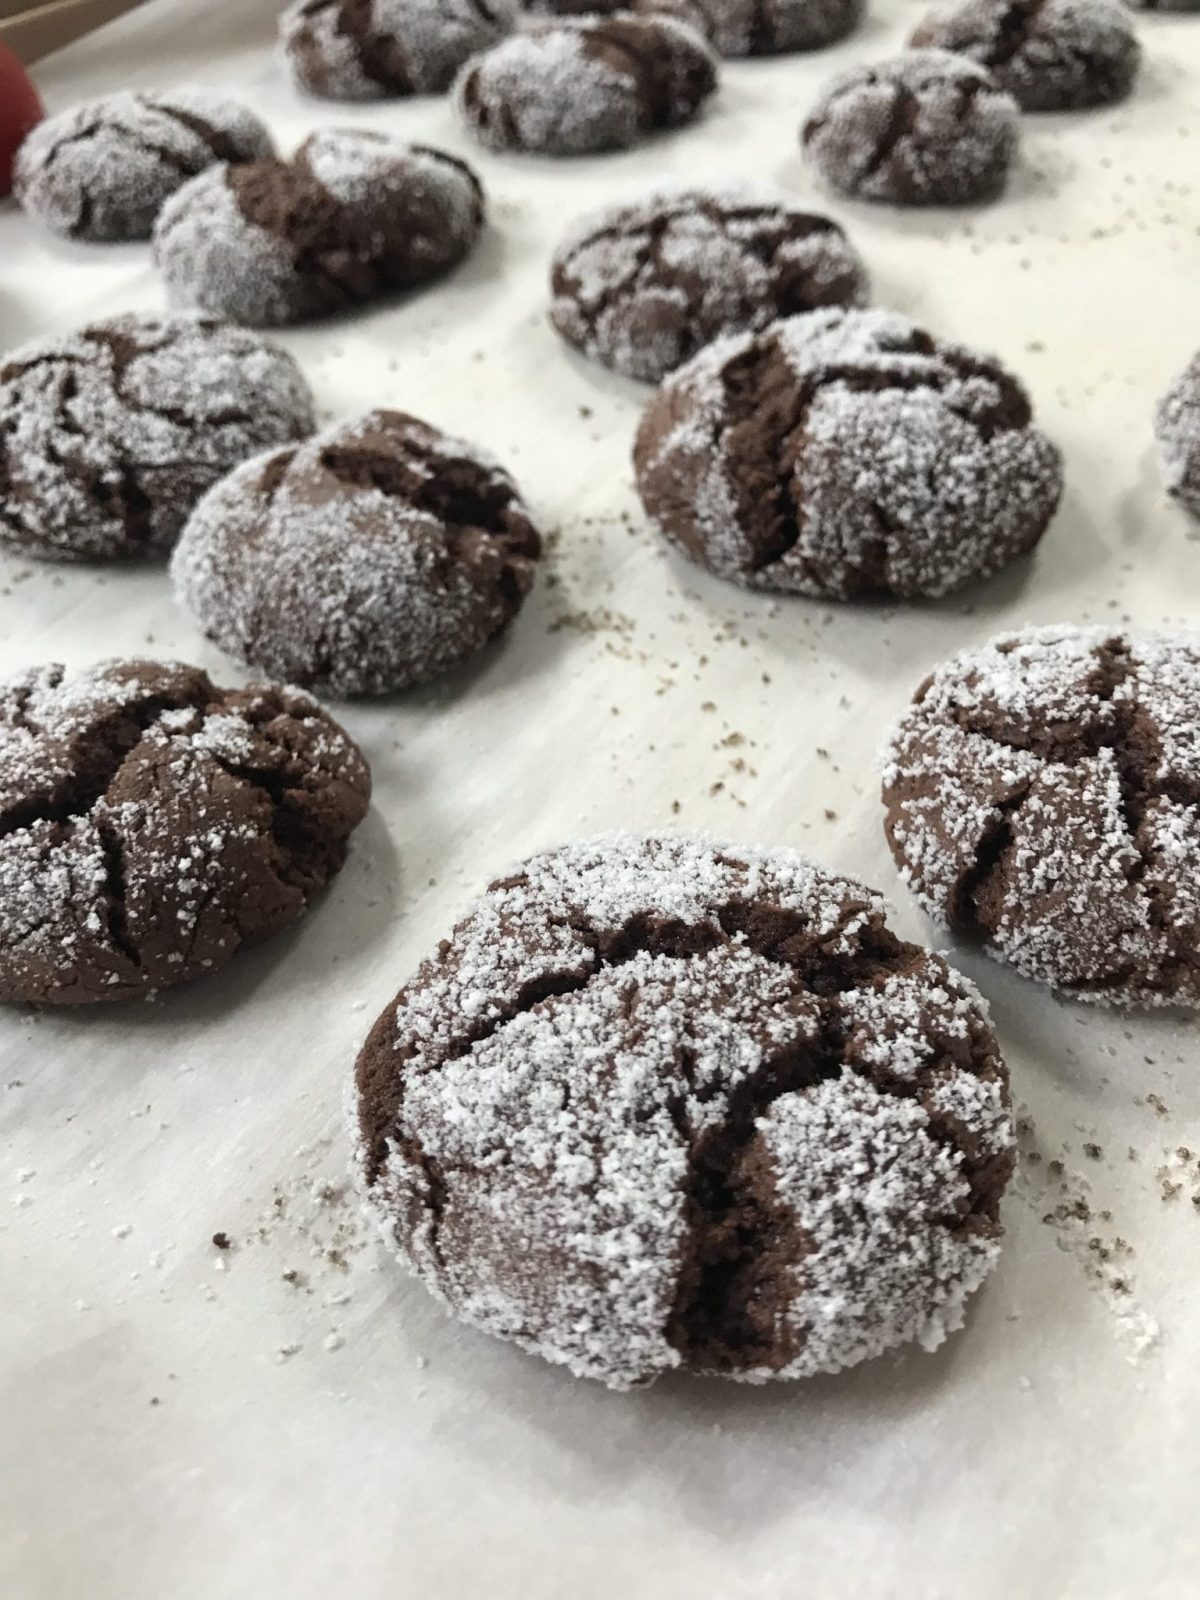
368, 49
926, 128
738, 27
1050, 55
657, 1103
354, 215
151, 824
378, 555
573, 87
110, 435
104, 169
642, 287
1177, 426
1043, 796
846, 454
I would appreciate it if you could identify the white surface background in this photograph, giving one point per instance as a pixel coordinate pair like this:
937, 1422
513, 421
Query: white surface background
171, 1429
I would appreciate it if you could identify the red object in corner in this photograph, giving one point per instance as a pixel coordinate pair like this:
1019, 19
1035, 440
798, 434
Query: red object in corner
20, 110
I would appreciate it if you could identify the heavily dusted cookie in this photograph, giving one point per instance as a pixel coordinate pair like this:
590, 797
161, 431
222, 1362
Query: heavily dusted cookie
110, 435
642, 287
1043, 795
846, 454
1177, 427
367, 49
738, 27
151, 824
658, 1103
104, 169
577, 86
353, 215
376, 556
1050, 55
925, 128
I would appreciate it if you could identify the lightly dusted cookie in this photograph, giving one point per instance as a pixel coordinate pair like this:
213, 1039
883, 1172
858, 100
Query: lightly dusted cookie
737, 27
369, 49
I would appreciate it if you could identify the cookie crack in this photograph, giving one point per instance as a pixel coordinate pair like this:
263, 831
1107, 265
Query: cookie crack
116, 891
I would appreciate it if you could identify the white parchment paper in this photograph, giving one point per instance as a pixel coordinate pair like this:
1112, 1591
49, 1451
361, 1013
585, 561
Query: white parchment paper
290, 1418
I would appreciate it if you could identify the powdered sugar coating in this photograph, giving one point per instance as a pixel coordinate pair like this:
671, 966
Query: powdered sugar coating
642, 287
659, 1102
574, 87
151, 823
103, 169
1177, 429
737, 27
367, 49
1043, 794
925, 128
1050, 55
846, 453
109, 436
377, 556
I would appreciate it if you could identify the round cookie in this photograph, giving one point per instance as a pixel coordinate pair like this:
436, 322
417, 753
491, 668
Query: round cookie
574, 87
368, 49
925, 128
846, 455
642, 287
104, 169
738, 27
1043, 796
151, 824
355, 214
110, 435
376, 556
658, 1103
1050, 55
1177, 428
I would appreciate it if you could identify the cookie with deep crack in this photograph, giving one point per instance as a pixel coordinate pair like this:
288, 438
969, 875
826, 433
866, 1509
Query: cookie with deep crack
1177, 429
926, 128
354, 214
110, 435
1050, 55
104, 169
574, 87
642, 287
738, 27
376, 556
658, 1103
1043, 796
369, 49
846, 455
151, 824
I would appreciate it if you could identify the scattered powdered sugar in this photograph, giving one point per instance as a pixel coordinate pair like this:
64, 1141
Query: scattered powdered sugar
351, 51
541, 1114
1043, 792
1177, 427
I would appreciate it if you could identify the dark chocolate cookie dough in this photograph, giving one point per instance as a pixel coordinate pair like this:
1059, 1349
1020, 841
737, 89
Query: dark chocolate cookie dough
110, 435
572, 87
1177, 428
925, 128
738, 27
151, 824
367, 49
103, 169
1043, 795
658, 1103
353, 215
642, 287
1050, 55
846, 454
378, 555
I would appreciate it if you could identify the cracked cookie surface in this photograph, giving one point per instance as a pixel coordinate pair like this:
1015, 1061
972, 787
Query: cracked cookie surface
354, 214
151, 824
577, 86
376, 556
738, 27
103, 169
1177, 430
659, 1103
110, 435
1043, 796
643, 287
367, 49
1050, 55
846, 454
926, 128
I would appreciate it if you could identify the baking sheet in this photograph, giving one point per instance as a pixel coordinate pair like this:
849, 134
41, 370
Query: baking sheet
293, 1418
